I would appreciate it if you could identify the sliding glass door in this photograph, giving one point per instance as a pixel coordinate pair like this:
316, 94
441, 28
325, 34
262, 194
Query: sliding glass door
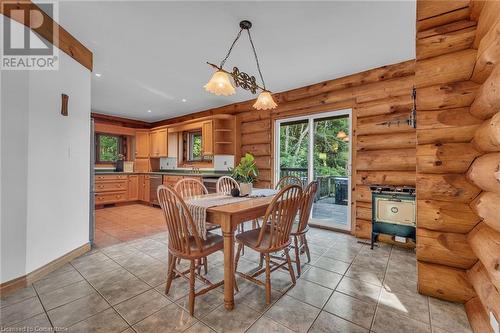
318, 148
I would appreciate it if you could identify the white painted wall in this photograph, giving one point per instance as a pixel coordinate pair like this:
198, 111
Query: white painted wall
45, 166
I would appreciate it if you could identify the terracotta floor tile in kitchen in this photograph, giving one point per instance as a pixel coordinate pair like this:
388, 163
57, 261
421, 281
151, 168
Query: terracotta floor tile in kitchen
114, 225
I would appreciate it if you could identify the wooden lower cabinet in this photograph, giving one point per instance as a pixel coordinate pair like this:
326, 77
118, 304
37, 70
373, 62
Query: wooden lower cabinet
133, 187
170, 181
110, 197
144, 188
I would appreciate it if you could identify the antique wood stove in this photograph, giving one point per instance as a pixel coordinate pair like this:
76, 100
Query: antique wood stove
393, 213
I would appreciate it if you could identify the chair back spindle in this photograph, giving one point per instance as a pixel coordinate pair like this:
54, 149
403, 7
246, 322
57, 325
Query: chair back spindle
225, 184
307, 200
288, 180
190, 187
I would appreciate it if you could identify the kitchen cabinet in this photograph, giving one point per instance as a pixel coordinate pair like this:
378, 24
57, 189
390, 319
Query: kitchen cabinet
133, 187
141, 165
144, 188
110, 189
170, 181
142, 144
207, 138
158, 143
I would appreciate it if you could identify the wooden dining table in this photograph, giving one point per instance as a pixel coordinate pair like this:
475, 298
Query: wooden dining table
228, 217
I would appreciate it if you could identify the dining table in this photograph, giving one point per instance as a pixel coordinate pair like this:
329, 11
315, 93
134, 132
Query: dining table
228, 217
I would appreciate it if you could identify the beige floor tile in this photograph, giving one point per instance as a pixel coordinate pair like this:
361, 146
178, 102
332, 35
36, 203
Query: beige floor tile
170, 319
235, 321
265, 324
118, 291
203, 304
20, 311
328, 323
57, 281
66, 294
351, 309
107, 321
322, 277
39, 322
449, 316
139, 307
414, 306
359, 289
293, 313
199, 327
71, 313
310, 293
255, 297
388, 321
17, 296
366, 273
332, 265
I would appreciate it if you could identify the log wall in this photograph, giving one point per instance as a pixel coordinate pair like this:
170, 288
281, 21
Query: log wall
484, 172
458, 159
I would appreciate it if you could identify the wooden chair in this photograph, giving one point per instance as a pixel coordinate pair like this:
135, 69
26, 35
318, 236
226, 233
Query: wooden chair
185, 245
300, 228
288, 180
225, 184
274, 236
190, 187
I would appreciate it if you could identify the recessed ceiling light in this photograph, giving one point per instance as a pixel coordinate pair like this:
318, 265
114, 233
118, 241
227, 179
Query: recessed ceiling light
184, 100
98, 74
149, 111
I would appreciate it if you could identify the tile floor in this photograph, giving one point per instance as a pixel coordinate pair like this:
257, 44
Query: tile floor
114, 225
346, 288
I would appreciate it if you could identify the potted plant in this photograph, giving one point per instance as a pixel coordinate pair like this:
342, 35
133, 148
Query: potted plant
245, 173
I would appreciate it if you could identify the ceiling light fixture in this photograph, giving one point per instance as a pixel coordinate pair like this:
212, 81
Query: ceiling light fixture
220, 83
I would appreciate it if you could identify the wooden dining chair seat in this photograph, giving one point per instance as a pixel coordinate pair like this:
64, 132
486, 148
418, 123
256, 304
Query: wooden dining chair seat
184, 242
272, 237
301, 227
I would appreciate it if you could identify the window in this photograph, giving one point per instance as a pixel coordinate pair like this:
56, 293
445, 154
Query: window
195, 148
108, 147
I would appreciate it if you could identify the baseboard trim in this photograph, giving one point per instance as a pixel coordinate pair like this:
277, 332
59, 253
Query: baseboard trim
23, 281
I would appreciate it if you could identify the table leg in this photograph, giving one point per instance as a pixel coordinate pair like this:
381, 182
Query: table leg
228, 233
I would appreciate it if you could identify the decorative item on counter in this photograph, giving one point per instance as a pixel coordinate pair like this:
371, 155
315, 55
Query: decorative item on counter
119, 163
245, 173
235, 192
128, 166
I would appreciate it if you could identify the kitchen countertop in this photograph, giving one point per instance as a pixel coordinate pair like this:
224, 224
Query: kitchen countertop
168, 173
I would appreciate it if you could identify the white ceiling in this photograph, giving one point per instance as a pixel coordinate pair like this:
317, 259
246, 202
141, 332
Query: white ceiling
153, 54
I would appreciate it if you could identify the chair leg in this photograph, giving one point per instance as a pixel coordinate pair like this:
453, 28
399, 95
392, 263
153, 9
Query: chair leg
290, 267
268, 279
205, 265
304, 240
297, 254
237, 259
197, 264
170, 273
242, 225
191, 288
261, 261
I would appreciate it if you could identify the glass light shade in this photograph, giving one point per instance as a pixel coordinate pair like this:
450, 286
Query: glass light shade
341, 135
220, 84
265, 101
346, 139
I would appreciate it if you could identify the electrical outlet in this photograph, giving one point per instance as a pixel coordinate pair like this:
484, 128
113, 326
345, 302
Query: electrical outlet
400, 239
494, 323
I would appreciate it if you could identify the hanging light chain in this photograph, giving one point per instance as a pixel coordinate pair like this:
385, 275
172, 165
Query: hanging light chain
230, 49
256, 59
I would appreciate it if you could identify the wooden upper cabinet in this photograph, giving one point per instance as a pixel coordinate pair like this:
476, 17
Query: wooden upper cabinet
133, 187
142, 144
158, 143
207, 138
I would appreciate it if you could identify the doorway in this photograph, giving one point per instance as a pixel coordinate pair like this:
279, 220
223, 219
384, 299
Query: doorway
318, 147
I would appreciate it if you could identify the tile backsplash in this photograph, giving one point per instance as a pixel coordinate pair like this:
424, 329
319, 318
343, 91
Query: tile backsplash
222, 162
168, 163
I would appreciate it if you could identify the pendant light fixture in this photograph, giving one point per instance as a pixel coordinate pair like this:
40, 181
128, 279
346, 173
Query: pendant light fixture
220, 83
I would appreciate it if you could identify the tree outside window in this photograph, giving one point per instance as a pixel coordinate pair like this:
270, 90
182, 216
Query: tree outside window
108, 147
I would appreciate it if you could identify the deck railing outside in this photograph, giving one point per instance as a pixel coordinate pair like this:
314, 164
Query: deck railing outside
328, 186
